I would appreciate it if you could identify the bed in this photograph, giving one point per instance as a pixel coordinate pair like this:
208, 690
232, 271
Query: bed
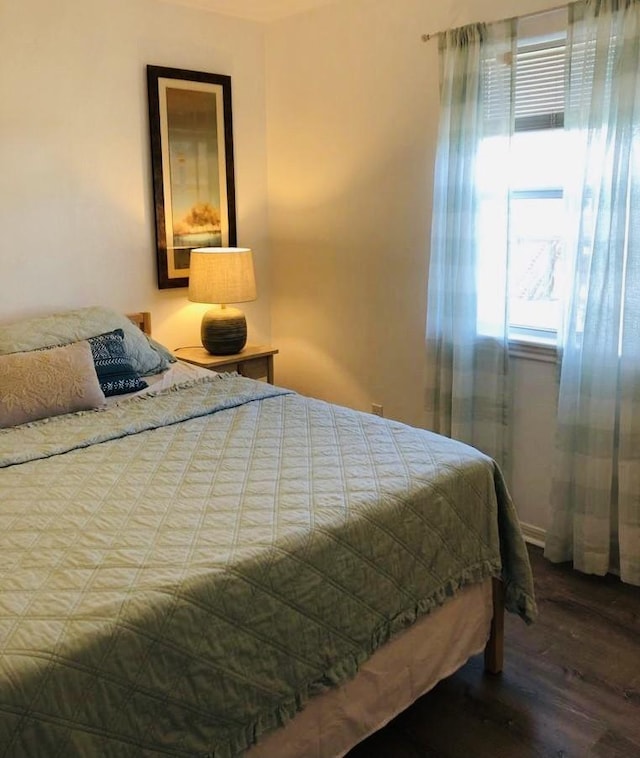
202, 564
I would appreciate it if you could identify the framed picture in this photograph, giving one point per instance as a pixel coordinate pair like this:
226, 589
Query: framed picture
192, 164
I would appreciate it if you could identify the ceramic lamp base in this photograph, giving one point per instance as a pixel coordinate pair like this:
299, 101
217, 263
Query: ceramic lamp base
223, 331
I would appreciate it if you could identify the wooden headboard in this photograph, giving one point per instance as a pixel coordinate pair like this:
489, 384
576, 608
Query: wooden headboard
142, 320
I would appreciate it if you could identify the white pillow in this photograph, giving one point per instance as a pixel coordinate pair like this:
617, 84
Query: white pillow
45, 383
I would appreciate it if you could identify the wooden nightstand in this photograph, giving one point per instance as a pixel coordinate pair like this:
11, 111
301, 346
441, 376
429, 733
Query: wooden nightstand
254, 362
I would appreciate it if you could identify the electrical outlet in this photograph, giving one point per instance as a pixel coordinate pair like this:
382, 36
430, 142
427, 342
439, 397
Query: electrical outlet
377, 409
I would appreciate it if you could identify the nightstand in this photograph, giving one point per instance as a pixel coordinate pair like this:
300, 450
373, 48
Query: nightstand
254, 361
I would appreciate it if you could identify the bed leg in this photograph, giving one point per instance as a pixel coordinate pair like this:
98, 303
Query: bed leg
494, 650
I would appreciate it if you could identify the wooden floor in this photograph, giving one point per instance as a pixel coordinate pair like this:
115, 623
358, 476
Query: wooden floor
570, 688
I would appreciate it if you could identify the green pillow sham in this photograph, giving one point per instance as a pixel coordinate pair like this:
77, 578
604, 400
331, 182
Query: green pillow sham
146, 355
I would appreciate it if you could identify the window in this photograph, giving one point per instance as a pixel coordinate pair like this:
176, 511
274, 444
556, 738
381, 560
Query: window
539, 159
536, 232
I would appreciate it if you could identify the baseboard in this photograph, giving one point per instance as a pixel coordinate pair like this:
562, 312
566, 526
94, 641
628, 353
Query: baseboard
533, 534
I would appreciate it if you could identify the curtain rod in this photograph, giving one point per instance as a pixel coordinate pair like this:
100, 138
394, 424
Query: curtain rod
426, 37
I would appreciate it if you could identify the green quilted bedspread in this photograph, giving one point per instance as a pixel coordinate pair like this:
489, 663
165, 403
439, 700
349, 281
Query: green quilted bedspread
180, 573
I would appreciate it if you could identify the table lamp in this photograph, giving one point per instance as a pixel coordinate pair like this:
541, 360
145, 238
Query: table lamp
222, 275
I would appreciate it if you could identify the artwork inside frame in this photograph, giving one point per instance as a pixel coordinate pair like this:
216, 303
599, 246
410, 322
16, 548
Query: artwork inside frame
192, 164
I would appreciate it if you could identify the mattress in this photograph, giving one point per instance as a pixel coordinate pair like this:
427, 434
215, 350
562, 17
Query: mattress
182, 573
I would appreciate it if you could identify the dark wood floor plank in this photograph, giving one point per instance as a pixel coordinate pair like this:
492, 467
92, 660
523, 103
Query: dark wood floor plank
392, 742
570, 688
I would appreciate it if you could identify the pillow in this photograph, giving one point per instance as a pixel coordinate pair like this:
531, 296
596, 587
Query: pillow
147, 356
113, 366
46, 383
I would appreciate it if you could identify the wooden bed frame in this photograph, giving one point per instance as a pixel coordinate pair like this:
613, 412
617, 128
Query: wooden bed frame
494, 649
142, 320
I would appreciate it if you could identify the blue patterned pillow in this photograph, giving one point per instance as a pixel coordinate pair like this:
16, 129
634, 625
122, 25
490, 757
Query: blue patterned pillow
113, 366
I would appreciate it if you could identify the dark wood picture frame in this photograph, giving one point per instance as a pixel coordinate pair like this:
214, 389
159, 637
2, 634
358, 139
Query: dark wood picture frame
191, 131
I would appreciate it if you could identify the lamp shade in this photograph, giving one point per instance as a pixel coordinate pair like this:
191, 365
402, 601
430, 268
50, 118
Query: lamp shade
221, 275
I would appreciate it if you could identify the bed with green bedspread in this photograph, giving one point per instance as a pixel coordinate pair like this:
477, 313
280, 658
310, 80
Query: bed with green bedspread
180, 573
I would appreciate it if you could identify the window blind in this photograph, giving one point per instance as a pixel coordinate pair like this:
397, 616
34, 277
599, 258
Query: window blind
540, 86
538, 97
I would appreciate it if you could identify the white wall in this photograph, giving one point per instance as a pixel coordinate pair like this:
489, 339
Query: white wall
352, 94
76, 204
533, 417
351, 128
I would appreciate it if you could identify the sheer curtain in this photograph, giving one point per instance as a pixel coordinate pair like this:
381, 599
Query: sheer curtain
467, 344
596, 488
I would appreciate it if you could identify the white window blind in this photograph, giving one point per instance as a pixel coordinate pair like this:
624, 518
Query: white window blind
540, 86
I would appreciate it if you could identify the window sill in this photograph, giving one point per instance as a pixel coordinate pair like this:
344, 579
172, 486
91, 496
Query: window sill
533, 351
